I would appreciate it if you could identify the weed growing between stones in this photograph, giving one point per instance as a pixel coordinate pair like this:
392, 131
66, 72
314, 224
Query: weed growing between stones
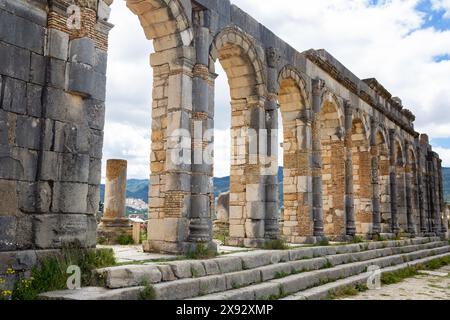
324, 242
148, 293
278, 244
349, 291
357, 239
125, 240
51, 273
280, 275
200, 252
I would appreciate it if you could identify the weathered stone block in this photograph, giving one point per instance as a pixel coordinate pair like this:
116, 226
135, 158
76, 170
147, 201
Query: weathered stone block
14, 96
82, 50
80, 79
51, 231
21, 32
56, 73
95, 171
34, 104
254, 229
57, 44
63, 106
256, 210
212, 284
15, 62
211, 267
229, 264
93, 199
70, 197
8, 198
181, 269
34, 197
74, 167
95, 111
242, 279
28, 132
131, 276
96, 144
99, 89
8, 229
101, 61
73, 138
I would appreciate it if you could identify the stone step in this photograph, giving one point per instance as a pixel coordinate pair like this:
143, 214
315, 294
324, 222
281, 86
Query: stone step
215, 284
134, 275
253, 275
323, 292
295, 283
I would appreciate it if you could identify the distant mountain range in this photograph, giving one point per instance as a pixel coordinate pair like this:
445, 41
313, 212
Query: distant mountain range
138, 189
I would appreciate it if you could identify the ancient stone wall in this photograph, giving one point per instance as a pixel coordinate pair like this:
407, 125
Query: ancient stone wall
351, 151
52, 79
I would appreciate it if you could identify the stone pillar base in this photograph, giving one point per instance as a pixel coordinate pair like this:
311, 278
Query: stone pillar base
110, 229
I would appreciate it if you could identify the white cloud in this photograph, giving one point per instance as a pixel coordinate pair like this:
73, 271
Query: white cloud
383, 41
444, 154
442, 5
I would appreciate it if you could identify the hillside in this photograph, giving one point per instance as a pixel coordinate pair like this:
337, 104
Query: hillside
138, 189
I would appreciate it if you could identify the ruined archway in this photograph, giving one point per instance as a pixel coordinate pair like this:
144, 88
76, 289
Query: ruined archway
333, 169
243, 66
294, 103
362, 188
170, 226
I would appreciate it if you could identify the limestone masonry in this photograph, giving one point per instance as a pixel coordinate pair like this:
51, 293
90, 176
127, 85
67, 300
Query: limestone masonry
354, 165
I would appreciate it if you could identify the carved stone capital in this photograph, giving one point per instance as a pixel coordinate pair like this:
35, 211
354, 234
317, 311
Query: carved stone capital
273, 57
318, 86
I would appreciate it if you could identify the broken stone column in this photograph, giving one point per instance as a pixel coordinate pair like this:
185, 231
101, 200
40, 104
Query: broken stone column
114, 222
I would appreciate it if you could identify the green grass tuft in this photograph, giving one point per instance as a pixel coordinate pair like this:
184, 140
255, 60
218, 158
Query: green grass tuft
200, 252
278, 244
125, 240
50, 274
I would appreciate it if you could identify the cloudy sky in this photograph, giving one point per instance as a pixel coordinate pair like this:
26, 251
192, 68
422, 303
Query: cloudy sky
405, 44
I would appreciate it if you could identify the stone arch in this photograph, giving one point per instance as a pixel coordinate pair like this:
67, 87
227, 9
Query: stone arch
333, 168
294, 101
164, 21
167, 24
242, 62
362, 187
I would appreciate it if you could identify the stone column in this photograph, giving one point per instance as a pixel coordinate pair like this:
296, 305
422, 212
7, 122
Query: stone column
202, 198
349, 194
316, 160
408, 192
376, 229
420, 192
393, 183
272, 219
436, 198
114, 222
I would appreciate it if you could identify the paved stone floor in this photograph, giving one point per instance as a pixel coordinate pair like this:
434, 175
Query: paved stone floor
427, 286
130, 254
